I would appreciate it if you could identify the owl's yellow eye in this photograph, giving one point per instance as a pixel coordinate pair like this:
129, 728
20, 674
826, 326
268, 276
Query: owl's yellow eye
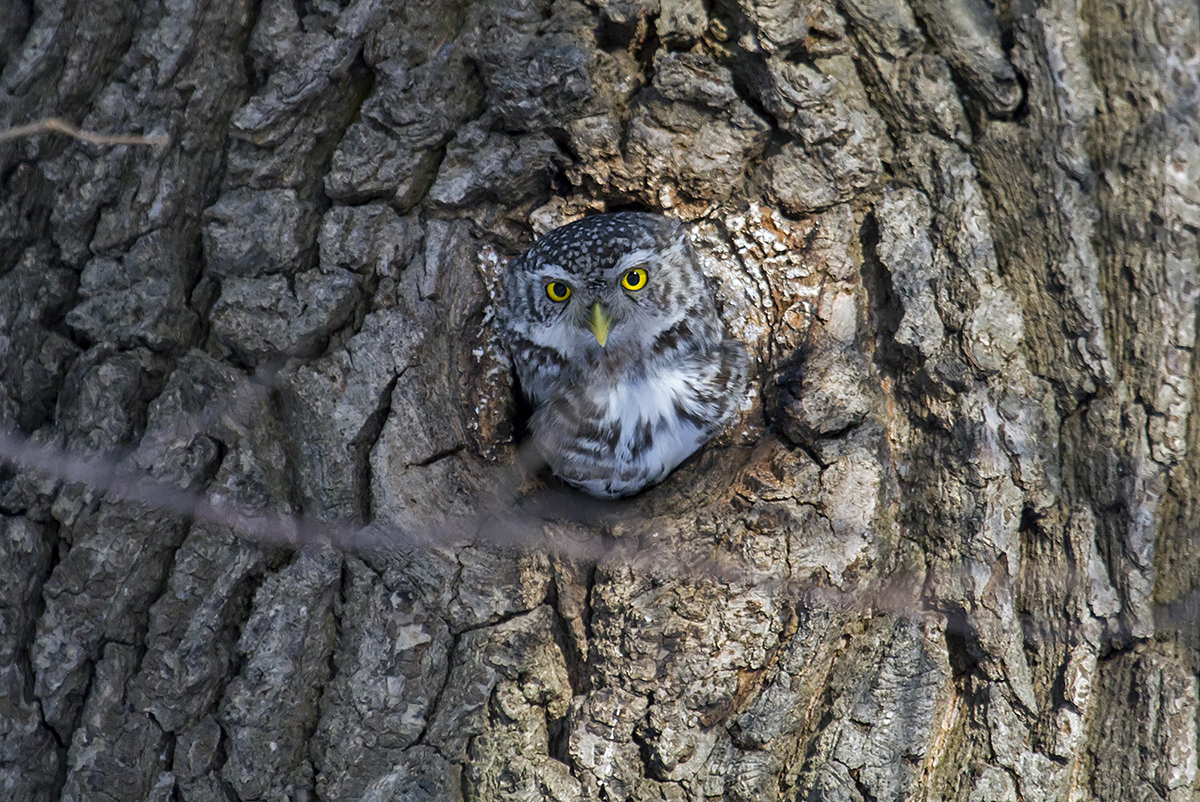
635, 279
557, 291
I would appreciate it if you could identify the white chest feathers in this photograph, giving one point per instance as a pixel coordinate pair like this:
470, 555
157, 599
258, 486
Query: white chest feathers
613, 439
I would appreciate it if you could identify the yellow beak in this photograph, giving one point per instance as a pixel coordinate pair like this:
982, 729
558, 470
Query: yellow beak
600, 323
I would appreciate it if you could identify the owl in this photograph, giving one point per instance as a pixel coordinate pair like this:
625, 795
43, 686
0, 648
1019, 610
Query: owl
617, 343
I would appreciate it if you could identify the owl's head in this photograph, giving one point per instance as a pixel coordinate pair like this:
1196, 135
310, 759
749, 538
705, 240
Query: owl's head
605, 287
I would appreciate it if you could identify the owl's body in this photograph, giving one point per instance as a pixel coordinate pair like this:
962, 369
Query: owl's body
616, 340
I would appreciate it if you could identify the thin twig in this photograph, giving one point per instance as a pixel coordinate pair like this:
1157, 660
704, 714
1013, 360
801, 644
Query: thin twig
61, 126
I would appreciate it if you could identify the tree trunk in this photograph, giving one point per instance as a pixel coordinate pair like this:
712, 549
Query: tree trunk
948, 552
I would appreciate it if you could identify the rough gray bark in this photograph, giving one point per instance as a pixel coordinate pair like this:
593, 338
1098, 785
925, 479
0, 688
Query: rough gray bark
949, 552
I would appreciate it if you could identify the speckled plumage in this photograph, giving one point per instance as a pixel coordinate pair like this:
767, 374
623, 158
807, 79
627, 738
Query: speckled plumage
617, 418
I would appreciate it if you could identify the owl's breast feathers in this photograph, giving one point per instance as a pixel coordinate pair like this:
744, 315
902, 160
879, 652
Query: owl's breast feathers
613, 432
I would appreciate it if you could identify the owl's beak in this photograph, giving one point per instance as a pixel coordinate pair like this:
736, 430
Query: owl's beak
600, 323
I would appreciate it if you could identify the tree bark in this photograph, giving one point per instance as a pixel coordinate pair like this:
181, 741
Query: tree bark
267, 529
